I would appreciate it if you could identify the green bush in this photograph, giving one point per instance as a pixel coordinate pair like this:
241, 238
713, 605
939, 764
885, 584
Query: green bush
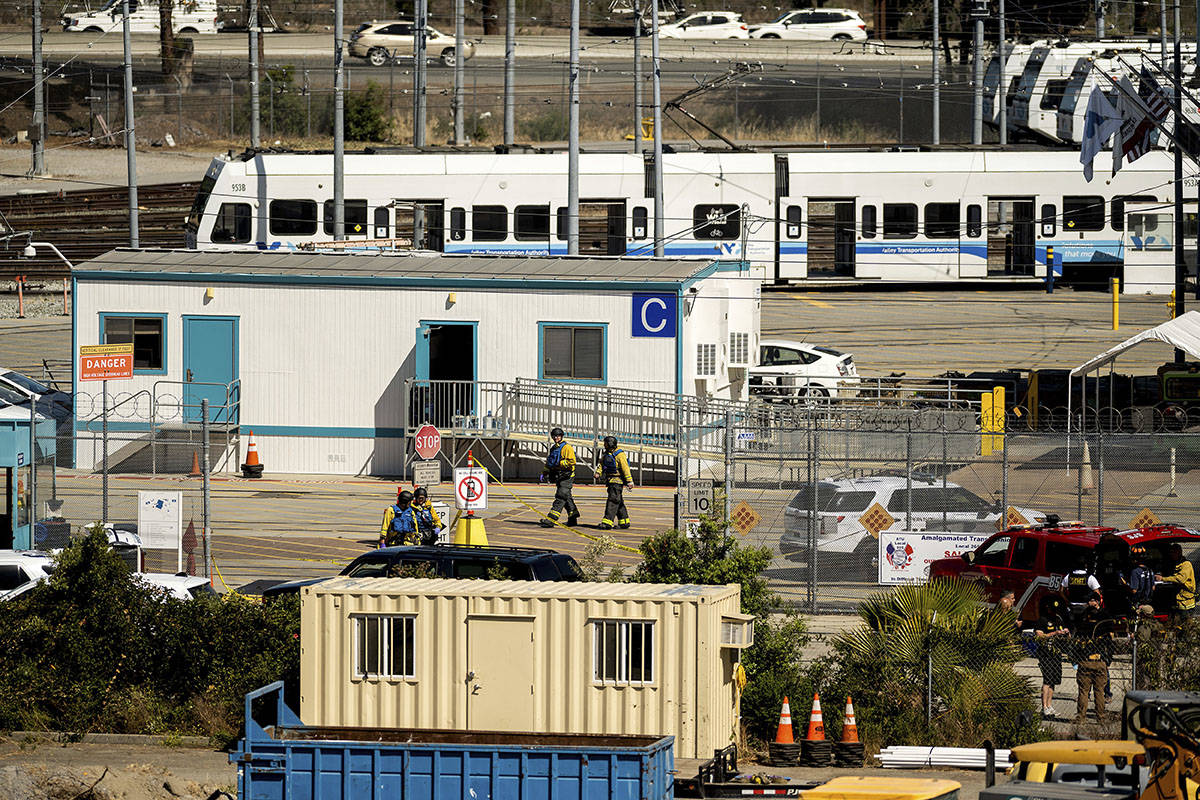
549, 126
92, 650
365, 118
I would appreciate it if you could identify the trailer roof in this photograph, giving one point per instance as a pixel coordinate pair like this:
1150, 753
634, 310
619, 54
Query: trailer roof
584, 590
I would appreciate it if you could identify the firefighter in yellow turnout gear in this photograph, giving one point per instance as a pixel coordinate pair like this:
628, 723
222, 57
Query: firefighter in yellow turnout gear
560, 468
615, 469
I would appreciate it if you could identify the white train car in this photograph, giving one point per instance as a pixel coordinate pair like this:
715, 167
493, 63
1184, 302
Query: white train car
820, 216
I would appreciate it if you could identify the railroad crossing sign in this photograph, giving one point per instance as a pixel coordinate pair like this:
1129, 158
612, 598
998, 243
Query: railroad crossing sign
470, 488
428, 441
1145, 519
876, 519
699, 496
105, 362
744, 518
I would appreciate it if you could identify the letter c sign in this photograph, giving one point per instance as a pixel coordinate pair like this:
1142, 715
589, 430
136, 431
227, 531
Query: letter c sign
654, 315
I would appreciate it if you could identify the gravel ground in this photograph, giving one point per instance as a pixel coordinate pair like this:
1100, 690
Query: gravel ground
74, 166
37, 306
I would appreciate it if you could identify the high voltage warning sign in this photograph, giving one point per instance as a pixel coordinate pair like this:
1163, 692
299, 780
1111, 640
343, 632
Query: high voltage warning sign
744, 518
876, 519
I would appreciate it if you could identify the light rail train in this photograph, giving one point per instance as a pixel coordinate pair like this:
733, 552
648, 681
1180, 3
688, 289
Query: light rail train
816, 216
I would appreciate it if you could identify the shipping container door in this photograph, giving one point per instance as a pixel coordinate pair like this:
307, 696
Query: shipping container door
500, 673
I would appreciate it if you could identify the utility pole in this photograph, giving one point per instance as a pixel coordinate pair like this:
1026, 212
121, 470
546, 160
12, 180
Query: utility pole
39, 96
573, 137
419, 24
339, 128
658, 148
510, 71
1180, 257
459, 136
1162, 32
937, 76
637, 75
1099, 19
130, 139
252, 36
978, 13
1002, 95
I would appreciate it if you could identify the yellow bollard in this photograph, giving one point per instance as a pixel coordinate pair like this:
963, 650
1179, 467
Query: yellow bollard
986, 423
1171, 306
1115, 283
999, 418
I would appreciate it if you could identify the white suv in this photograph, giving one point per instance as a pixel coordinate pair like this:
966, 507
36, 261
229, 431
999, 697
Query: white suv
18, 567
707, 25
789, 371
380, 42
844, 503
815, 24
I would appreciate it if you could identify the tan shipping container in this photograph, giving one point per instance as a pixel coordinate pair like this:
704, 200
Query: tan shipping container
552, 657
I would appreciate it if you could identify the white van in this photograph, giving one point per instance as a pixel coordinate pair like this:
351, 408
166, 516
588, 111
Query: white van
188, 16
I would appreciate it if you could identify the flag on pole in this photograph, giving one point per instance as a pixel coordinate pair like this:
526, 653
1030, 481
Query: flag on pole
1158, 105
1133, 117
1100, 121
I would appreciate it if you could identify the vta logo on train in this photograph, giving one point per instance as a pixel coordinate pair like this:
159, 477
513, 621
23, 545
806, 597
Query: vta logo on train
899, 554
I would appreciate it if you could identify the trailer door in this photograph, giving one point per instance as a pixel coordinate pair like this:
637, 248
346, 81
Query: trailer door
500, 673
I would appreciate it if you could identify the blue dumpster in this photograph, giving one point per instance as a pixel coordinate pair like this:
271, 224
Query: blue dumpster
288, 760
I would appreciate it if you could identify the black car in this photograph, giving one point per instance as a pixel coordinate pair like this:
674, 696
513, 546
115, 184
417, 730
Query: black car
452, 561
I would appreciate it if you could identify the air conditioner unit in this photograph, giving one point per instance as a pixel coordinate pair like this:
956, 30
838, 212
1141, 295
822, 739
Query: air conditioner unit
739, 349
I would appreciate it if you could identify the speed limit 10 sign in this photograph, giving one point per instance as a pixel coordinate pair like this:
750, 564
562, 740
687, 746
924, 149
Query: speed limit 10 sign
699, 496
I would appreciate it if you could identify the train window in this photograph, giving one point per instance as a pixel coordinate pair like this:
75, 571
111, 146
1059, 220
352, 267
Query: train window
1049, 218
1083, 213
640, 223
560, 225
899, 220
383, 222
794, 216
974, 220
232, 225
458, 224
941, 220
531, 222
489, 223
868, 222
354, 217
293, 217
1053, 96
721, 221
1118, 208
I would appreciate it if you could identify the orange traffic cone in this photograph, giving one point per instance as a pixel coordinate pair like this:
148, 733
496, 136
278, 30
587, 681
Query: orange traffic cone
849, 726
195, 473
783, 735
816, 724
252, 468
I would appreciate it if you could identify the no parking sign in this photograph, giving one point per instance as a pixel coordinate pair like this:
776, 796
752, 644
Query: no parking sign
470, 488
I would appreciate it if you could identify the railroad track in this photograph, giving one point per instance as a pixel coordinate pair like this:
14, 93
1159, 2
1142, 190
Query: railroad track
84, 223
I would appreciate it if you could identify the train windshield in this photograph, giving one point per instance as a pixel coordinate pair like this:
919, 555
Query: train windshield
197, 212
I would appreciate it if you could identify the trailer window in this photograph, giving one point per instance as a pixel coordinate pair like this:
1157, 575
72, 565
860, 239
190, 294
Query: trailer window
1118, 207
489, 223
145, 333
868, 222
531, 222
232, 225
899, 220
573, 353
622, 652
974, 221
354, 217
941, 220
384, 646
293, 217
722, 221
1083, 213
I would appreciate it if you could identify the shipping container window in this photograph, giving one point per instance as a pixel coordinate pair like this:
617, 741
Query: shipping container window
489, 223
147, 334
868, 222
941, 220
1083, 213
384, 646
716, 221
640, 223
622, 652
1118, 208
292, 217
899, 220
531, 222
354, 217
458, 224
794, 218
573, 353
232, 225
974, 221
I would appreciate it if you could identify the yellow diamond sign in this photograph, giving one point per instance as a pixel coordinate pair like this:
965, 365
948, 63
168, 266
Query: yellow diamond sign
744, 518
1145, 519
876, 519
1012, 518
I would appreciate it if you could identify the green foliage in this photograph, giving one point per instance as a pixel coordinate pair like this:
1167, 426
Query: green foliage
365, 118
1168, 657
774, 671
92, 650
549, 126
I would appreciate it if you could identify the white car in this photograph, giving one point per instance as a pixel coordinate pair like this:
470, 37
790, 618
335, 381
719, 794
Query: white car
379, 42
815, 24
706, 25
18, 567
843, 505
187, 17
789, 371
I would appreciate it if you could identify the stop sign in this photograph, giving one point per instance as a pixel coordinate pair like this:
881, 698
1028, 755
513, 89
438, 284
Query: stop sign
428, 441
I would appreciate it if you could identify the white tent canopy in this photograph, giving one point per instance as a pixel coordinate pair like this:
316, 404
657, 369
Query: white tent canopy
1182, 333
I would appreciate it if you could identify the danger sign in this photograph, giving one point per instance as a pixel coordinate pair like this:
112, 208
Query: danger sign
470, 488
428, 442
105, 362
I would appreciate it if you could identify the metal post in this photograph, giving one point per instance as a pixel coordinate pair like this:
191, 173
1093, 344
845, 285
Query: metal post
1002, 97
818, 133
945, 470
729, 475
1099, 474
658, 150
999, 412
1162, 32
929, 686
1099, 19
419, 65
206, 498
307, 106
459, 136
252, 32
908, 477
573, 136
1180, 258
130, 139
510, 71
814, 555
978, 12
900, 138
937, 77
271, 100
637, 76
178, 110
231, 96
811, 525
339, 128
104, 451
39, 108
